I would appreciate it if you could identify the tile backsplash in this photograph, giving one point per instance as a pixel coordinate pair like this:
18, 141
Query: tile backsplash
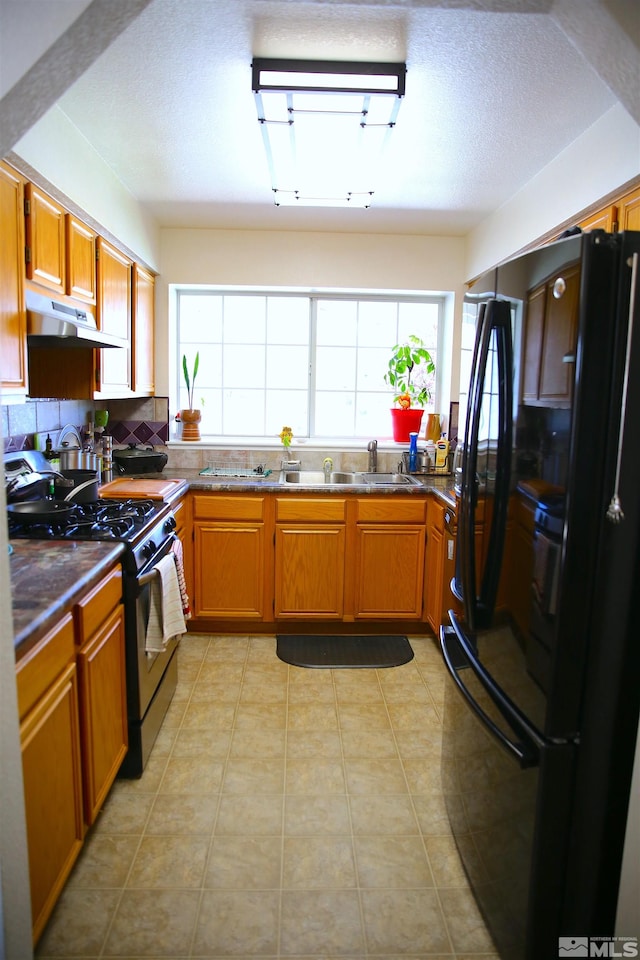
25, 426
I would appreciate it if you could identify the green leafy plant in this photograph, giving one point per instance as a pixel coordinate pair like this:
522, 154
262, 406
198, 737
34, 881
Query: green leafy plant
410, 373
190, 382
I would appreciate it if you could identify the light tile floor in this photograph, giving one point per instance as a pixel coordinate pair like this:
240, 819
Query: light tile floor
284, 813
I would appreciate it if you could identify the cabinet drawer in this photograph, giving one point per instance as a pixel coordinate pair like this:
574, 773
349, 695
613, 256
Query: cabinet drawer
227, 508
93, 610
38, 669
392, 510
314, 509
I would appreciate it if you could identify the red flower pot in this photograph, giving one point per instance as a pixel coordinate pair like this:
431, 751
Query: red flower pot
405, 422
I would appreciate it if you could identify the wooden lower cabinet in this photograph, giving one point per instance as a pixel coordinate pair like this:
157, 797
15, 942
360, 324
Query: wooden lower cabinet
309, 571
73, 727
310, 556
307, 557
229, 557
103, 711
47, 685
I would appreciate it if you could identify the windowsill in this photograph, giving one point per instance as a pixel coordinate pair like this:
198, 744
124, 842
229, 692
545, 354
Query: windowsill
298, 446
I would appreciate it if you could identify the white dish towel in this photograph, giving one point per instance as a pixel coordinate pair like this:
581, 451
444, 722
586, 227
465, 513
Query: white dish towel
166, 618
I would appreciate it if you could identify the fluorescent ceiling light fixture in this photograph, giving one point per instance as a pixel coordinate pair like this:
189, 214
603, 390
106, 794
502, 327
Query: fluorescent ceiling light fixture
325, 126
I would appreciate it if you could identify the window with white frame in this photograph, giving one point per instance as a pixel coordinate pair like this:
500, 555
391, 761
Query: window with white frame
313, 362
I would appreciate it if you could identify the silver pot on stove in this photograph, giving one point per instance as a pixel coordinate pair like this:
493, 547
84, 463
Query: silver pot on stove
74, 458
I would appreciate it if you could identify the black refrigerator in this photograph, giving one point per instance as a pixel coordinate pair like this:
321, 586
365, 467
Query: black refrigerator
543, 648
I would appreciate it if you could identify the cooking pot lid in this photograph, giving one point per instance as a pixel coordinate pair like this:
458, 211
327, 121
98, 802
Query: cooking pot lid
133, 451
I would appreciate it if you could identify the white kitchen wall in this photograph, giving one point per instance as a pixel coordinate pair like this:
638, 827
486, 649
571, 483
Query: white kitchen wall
600, 161
55, 150
309, 260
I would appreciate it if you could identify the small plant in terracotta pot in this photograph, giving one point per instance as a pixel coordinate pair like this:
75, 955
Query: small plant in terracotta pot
190, 418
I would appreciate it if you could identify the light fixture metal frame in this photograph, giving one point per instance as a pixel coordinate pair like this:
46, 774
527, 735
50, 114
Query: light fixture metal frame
317, 68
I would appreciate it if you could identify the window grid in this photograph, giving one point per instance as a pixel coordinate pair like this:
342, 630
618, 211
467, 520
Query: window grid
269, 359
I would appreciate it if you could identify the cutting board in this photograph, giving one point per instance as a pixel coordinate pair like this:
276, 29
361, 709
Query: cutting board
125, 487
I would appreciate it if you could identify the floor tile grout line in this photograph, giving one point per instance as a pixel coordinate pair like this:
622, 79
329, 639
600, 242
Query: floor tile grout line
220, 791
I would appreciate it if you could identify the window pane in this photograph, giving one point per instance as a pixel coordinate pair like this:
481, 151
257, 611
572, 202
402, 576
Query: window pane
200, 318
288, 320
335, 414
287, 408
288, 366
372, 366
377, 324
244, 365
245, 319
335, 367
337, 322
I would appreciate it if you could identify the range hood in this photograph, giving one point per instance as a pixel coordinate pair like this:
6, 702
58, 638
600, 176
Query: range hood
51, 323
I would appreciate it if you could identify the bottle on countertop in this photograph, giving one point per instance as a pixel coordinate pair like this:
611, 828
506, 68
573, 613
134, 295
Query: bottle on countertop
442, 454
48, 448
413, 452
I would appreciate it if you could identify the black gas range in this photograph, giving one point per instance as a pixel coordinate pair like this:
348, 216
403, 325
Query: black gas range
143, 525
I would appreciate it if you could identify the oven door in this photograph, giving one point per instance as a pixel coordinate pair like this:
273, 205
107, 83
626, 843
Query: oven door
151, 666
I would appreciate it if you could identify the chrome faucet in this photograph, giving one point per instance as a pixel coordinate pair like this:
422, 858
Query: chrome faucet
327, 466
372, 447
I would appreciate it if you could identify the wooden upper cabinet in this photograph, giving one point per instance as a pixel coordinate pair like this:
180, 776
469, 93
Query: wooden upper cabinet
81, 260
606, 219
114, 317
13, 323
45, 239
629, 211
143, 327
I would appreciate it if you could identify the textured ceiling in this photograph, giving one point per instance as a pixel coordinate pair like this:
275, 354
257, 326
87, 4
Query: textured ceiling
491, 98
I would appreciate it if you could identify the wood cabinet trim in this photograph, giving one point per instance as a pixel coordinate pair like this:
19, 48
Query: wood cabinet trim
38, 669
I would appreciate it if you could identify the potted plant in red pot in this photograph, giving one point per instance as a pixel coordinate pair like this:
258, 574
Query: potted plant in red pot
410, 373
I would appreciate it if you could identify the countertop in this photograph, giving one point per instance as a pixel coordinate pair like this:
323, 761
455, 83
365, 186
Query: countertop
48, 578
442, 487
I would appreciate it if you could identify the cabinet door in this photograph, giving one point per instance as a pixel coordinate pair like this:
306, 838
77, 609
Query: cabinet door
434, 577
560, 329
45, 229
309, 571
81, 260
13, 323
53, 793
629, 211
389, 571
142, 363
114, 317
103, 710
601, 220
229, 570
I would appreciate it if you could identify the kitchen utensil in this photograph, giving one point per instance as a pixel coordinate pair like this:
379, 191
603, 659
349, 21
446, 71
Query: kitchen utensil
139, 460
78, 485
84, 492
40, 511
73, 458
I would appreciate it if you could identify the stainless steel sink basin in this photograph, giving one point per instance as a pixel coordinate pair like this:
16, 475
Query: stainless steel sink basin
390, 479
340, 478
318, 478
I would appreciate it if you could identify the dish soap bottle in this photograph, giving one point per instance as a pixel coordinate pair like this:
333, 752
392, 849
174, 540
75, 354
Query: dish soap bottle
413, 452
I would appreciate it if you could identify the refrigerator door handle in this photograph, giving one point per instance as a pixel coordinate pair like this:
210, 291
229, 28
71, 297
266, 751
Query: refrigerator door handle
615, 513
526, 745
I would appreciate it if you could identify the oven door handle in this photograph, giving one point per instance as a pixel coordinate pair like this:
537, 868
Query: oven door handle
147, 577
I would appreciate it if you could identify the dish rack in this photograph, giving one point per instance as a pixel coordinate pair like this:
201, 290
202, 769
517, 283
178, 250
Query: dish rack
213, 469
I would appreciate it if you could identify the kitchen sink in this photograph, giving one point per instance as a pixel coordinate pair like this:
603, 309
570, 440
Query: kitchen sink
340, 478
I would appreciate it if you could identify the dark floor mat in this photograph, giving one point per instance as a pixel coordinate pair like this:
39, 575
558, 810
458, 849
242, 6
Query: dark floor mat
343, 651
